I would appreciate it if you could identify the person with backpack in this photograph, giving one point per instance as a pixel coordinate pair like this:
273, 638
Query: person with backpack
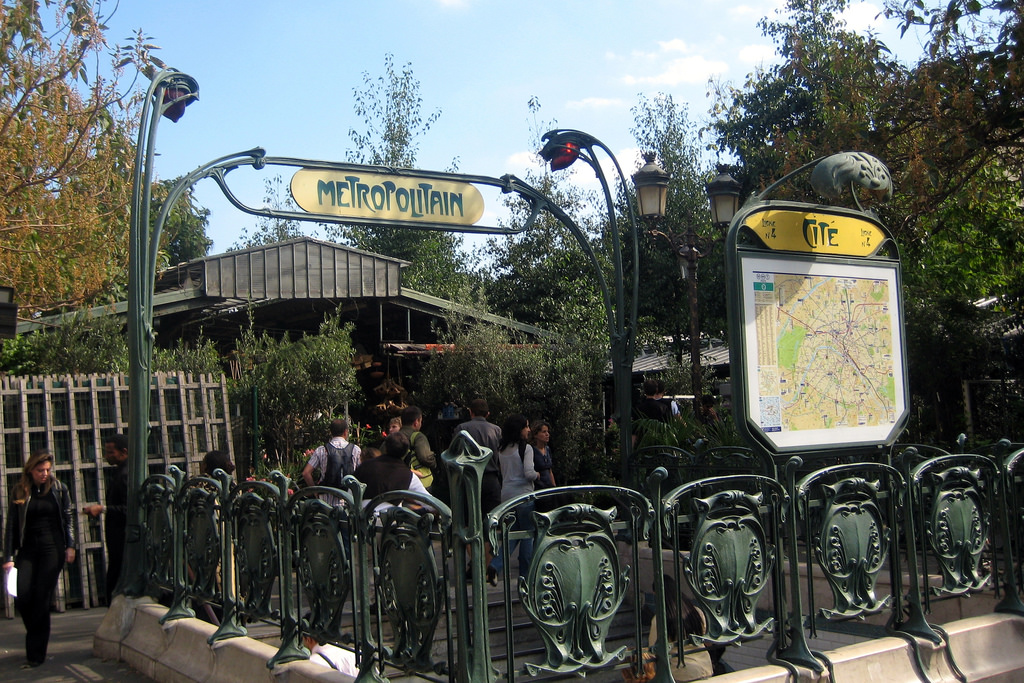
518, 476
335, 460
421, 458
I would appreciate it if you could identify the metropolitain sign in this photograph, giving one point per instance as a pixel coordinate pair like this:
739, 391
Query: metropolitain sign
367, 195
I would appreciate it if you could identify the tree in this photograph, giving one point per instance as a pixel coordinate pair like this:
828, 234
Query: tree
945, 128
664, 127
301, 385
390, 107
557, 378
66, 136
542, 276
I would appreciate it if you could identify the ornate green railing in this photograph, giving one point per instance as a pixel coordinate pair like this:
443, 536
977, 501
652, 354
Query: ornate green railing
387, 577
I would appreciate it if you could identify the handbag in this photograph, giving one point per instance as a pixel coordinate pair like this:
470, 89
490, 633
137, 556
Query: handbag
643, 661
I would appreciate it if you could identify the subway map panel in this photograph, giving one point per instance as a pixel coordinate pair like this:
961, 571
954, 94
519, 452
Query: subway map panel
823, 353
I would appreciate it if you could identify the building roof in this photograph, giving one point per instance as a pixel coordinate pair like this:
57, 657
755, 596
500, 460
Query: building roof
289, 287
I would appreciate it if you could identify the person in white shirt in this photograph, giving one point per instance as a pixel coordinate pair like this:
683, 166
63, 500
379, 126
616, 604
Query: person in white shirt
333, 460
331, 656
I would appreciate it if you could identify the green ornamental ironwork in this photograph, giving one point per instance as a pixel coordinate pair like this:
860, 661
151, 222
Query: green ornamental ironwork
574, 587
323, 563
730, 525
157, 508
410, 590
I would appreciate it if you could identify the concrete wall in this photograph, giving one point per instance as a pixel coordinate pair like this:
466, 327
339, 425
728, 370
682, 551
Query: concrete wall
987, 649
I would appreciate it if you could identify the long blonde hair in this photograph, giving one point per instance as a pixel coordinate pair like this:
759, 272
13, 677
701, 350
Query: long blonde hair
24, 487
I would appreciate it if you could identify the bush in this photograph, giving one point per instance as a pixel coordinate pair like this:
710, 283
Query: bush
558, 380
300, 386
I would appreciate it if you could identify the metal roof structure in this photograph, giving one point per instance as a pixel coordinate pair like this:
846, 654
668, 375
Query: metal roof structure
712, 357
288, 287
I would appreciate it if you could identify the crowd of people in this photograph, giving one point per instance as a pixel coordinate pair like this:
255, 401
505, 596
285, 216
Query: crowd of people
40, 538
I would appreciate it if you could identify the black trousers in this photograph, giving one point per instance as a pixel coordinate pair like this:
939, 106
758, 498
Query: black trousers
39, 568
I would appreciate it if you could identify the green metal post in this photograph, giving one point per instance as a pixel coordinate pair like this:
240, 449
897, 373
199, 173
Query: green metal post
466, 460
561, 149
169, 93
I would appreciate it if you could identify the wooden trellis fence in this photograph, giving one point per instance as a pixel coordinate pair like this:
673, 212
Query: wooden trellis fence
72, 415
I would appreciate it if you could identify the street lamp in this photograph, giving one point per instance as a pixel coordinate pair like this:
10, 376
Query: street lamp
724, 196
562, 148
169, 93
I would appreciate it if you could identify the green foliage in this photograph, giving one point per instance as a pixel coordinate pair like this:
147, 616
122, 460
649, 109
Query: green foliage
543, 277
557, 379
390, 107
950, 130
301, 385
686, 430
202, 358
16, 356
664, 127
79, 346
83, 345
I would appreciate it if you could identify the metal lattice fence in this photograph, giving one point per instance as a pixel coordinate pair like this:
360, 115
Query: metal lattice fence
72, 415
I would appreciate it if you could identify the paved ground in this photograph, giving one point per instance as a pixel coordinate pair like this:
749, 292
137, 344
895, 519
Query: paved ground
69, 657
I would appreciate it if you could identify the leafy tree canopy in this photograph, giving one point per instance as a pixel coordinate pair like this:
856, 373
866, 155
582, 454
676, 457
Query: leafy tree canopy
664, 127
542, 276
390, 107
949, 127
66, 152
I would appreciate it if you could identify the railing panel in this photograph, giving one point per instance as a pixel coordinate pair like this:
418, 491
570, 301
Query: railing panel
409, 544
576, 583
724, 534
846, 520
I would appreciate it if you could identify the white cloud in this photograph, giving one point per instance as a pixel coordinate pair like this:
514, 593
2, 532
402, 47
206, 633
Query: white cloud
520, 162
861, 17
674, 45
695, 69
757, 54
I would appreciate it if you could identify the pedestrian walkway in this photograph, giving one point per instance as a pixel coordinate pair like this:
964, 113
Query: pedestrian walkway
69, 657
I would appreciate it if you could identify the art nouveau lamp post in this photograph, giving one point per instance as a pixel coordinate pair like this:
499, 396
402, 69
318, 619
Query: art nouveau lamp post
724, 194
561, 149
169, 93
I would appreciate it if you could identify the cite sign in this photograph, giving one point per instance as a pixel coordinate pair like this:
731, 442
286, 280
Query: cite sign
367, 195
815, 232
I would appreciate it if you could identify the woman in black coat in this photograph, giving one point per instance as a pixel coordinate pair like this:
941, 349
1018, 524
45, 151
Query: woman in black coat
40, 538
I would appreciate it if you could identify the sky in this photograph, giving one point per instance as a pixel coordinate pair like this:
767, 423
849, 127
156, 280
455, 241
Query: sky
282, 75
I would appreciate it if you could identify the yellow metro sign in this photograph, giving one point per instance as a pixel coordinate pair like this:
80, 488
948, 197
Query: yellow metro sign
368, 195
816, 232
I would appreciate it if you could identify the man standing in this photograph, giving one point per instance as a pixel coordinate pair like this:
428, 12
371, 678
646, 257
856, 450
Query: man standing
334, 460
486, 434
115, 511
650, 408
421, 458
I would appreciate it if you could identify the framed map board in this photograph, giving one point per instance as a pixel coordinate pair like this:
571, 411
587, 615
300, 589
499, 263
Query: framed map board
823, 350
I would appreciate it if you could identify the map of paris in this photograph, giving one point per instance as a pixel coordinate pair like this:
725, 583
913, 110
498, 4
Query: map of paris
823, 348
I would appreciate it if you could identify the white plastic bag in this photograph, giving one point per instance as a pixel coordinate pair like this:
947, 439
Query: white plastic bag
12, 582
